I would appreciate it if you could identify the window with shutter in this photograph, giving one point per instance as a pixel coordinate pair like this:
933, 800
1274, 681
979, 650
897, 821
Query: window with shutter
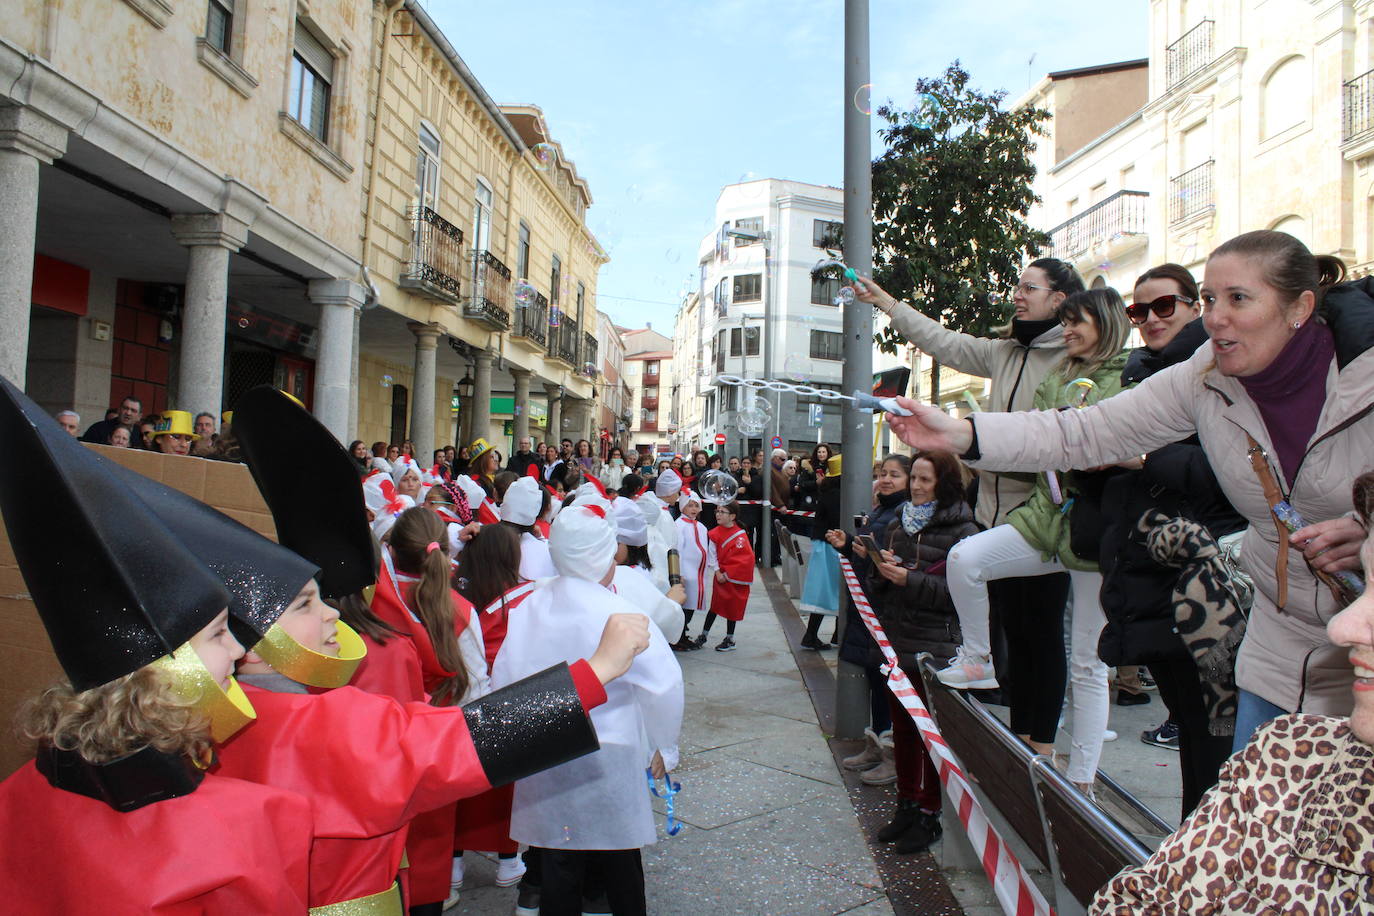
219, 24
312, 72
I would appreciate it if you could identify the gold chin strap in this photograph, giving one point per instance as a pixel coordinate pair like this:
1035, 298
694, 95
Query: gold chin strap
228, 710
306, 666
368, 593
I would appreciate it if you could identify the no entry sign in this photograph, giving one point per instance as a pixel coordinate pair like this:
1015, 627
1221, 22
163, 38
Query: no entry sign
720, 438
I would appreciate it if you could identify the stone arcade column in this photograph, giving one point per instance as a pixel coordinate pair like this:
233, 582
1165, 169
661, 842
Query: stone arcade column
422, 392
211, 238
521, 426
27, 140
339, 302
481, 397
555, 393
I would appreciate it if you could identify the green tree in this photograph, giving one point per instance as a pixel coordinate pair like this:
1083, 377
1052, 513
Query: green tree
950, 198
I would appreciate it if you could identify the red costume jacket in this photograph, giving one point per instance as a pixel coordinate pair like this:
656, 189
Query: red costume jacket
733, 556
228, 847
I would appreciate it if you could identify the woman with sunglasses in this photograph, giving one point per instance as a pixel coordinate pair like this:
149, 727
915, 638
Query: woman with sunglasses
1015, 362
1178, 481
1282, 399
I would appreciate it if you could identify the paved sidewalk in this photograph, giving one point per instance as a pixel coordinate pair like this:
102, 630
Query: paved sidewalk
769, 826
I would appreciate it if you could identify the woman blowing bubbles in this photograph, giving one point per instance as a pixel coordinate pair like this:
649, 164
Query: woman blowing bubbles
1287, 378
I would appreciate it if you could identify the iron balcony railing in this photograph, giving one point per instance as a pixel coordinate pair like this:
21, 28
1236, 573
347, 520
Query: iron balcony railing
436, 254
1192, 192
590, 367
564, 343
490, 300
532, 321
1190, 53
1122, 214
1358, 106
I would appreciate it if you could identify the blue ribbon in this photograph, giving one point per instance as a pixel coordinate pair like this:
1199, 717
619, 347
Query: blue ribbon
674, 826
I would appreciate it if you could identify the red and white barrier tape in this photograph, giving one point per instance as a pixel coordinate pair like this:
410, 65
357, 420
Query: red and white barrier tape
1014, 889
778, 509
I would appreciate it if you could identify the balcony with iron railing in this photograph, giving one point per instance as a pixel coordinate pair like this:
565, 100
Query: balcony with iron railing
1121, 217
563, 344
590, 367
490, 299
1192, 193
531, 325
435, 261
1190, 53
1357, 107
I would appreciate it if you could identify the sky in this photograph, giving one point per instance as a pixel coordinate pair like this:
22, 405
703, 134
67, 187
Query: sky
660, 103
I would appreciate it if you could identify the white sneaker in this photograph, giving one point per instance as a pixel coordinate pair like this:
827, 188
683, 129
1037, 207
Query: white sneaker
455, 883
968, 672
1108, 735
509, 871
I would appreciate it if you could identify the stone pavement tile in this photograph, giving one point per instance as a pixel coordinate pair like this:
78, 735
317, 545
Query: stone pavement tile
810, 759
879, 907
727, 789
719, 682
708, 725
773, 659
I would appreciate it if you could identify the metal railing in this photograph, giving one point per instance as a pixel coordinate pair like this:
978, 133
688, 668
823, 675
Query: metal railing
1190, 53
1122, 214
532, 321
590, 368
490, 300
564, 343
436, 252
1192, 192
1358, 106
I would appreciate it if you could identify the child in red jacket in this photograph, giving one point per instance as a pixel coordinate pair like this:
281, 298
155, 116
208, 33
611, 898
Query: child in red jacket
732, 557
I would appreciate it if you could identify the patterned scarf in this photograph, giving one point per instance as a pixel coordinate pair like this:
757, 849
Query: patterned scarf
461, 507
915, 518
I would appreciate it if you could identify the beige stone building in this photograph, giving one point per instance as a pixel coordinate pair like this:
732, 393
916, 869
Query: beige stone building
315, 195
181, 204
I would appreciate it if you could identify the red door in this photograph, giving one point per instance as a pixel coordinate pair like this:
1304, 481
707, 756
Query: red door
297, 377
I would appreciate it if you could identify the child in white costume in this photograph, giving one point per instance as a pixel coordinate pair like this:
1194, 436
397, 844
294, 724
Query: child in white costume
594, 811
525, 501
632, 581
693, 550
662, 532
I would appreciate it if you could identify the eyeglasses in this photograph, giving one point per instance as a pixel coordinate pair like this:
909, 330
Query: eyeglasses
1164, 307
1026, 289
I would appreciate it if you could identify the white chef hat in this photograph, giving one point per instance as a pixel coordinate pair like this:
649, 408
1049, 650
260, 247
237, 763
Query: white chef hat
522, 502
581, 543
588, 495
630, 527
667, 485
688, 496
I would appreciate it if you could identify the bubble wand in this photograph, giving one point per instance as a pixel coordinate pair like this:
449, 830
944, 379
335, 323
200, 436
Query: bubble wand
861, 400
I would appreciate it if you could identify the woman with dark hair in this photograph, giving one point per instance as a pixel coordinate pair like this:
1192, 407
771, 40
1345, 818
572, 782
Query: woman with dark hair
586, 459
1039, 535
614, 471
821, 590
893, 483
911, 599
1280, 395
1137, 590
1028, 612
358, 452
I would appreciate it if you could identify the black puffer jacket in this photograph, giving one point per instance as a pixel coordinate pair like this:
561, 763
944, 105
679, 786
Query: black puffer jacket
1176, 480
827, 507
858, 647
920, 616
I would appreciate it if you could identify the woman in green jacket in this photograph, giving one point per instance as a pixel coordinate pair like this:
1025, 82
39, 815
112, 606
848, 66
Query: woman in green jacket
1037, 539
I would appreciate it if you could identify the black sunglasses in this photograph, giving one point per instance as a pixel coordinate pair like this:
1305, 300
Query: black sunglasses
1163, 307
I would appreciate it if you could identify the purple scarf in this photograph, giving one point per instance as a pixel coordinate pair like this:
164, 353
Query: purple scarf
1290, 392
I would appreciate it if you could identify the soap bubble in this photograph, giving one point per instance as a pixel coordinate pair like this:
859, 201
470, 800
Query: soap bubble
544, 156
761, 405
555, 318
862, 101
994, 299
924, 111
797, 366
567, 423
1080, 392
589, 369
524, 293
845, 296
386, 381
717, 487
751, 422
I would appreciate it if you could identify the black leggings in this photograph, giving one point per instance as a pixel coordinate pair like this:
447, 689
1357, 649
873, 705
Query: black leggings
567, 876
1031, 611
1200, 753
711, 618
813, 627
879, 709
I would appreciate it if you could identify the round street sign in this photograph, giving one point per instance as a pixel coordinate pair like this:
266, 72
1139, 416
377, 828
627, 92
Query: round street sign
777, 442
720, 438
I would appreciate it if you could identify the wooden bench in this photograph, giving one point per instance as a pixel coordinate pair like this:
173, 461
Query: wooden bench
1078, 843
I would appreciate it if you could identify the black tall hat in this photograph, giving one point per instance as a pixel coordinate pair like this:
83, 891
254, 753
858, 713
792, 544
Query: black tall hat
115, 588
324, 520
262, 577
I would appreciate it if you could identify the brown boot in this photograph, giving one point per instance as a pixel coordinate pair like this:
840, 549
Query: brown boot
885, 773
869, 757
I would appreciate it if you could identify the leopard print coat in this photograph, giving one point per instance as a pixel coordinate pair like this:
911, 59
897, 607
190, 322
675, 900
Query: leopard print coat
1288, 830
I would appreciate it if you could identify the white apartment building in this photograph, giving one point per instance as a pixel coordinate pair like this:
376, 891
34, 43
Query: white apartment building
770, 234
1256, 114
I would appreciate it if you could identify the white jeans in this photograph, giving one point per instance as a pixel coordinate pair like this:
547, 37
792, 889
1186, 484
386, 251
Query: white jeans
1002, 553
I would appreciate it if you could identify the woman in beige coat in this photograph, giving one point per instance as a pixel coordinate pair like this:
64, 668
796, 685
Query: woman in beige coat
1288, 369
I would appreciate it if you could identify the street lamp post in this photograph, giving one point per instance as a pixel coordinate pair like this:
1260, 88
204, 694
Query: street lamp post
766, 516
